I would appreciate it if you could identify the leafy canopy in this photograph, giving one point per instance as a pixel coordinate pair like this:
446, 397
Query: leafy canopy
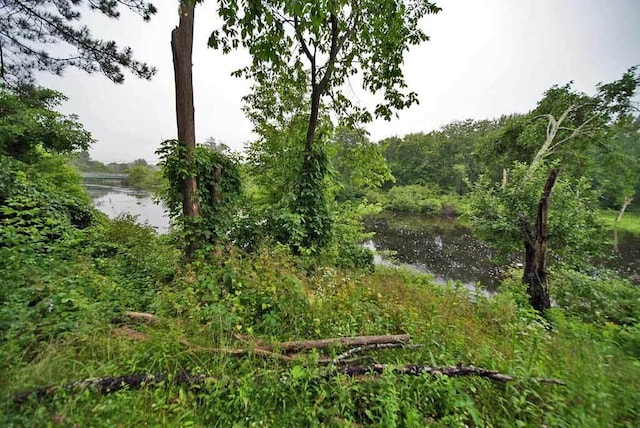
28, 123
30, 31
337, 39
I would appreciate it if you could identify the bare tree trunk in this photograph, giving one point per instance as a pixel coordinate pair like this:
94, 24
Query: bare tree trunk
627, 201
535, 243
182, 47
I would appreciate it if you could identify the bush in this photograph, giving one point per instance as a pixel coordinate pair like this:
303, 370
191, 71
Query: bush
599, 298
414, 199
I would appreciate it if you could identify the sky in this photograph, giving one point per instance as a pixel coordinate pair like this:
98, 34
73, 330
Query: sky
484, 58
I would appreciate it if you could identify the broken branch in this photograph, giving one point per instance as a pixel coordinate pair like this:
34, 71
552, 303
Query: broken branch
375, 346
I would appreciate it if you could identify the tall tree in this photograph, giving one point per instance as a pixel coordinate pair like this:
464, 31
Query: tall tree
330, 40
182, 49
29, 29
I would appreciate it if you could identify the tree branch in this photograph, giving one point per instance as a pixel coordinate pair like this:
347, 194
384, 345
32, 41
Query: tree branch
455, 371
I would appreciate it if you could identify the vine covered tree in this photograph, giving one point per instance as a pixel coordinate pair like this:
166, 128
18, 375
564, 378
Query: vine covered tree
30, 31
319, 45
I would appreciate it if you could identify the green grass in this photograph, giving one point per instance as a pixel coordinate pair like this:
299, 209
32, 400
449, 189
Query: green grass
267, 297
630, 221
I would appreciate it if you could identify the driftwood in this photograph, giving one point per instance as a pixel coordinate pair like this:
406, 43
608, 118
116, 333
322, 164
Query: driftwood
416, 370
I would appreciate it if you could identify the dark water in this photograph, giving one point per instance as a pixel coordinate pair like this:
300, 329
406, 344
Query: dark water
627, 257
114, 201
449, 251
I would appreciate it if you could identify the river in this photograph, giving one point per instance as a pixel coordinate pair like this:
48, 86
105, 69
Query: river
114, 201
444, 248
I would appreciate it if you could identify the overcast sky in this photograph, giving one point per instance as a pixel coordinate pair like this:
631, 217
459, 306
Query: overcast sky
485, 58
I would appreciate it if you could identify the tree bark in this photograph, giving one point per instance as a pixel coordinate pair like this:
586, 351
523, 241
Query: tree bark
535, 244
182, 48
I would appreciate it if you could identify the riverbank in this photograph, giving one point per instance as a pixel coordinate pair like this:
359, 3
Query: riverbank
630, 221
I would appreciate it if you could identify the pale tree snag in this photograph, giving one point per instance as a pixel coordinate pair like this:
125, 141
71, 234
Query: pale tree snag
182, 48
553, 126
627, 201
535, 244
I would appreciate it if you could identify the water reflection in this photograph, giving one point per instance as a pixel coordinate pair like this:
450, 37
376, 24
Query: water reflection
443, 248
449, 251
626, 260
114, 201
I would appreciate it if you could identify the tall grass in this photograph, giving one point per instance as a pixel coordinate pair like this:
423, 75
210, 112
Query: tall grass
268, 297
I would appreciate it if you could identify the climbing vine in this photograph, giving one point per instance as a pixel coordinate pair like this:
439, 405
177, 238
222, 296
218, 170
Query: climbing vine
219, 192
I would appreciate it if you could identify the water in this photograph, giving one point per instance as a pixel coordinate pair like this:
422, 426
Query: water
114, 201
449, 251
441, 247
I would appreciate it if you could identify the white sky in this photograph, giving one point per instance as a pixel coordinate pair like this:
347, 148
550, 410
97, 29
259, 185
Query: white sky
485, 58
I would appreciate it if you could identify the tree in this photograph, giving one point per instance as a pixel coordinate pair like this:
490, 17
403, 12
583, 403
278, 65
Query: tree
219, 188
358, 164
557, 134
444, 159
182, 49
28, 124
335, 39
619, 172
29, 29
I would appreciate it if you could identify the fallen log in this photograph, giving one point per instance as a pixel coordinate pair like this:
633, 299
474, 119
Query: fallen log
126, 331
307, 345
142, 316
453, 371
136, 316
109, 384
375, 346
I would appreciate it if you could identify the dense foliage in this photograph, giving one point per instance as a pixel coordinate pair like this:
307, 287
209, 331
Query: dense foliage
219, 191
28, 122
293, 267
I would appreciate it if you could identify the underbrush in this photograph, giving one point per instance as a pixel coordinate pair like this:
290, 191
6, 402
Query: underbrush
416, 199
57, 327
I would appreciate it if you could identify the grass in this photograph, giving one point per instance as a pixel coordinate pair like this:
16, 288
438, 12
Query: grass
56, 327
630, 221
265, 296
